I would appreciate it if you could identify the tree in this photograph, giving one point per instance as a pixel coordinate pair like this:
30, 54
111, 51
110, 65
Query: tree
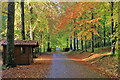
10, 35
92, 42
75, 12
49, 49
67, 42
77, 43
112, 24
40, 41
81, 44
22, 20
85, 41
85, 44
104, 31
31, 13
74, 36
71, 42
119, 39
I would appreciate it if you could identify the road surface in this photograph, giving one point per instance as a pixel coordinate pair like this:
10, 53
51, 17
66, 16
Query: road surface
63, 67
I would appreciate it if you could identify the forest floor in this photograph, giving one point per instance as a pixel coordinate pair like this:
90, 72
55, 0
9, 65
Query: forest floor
39, 69
100, 61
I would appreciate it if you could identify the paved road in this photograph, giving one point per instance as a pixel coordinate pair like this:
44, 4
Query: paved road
65, 68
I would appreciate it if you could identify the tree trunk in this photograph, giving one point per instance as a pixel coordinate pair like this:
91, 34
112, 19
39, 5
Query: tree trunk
22, 20
31, 12
85, 44
81, 44
41, 43
38, 49
74, 36
112, 24
104, 30
71, 42
77, 43
98, 44
10, 35
31, 36
95, 41
1, 19
48, 42
49, 49
92, 42
77, 40
85, 41
48, 45
74, 42
44, 48
67, 43
119, 39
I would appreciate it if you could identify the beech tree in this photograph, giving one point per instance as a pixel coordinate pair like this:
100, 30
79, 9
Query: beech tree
10, 35
112, 24
22, 20
92, 42
118, 39
31, 15
74, 35
71, 42
56, 19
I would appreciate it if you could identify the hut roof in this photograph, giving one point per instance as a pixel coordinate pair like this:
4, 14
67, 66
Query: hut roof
22, 43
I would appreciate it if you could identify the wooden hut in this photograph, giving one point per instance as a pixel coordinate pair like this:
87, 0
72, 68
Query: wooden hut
23, 50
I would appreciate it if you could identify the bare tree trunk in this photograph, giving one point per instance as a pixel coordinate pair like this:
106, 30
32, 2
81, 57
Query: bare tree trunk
33, 33
95, 41
85, 44
74, 36
10, 35
98, 44
119, 40
81, 44
38, 49
41, 43
48, 42
22, 20
31, 12
104, 31
77, 43
92, 42
85, 41
74, 42
71, 42
0, 20
112, 24
31, 37
67, 43
77, 40
49, 49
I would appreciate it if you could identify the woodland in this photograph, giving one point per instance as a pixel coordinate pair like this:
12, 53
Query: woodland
76, 26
